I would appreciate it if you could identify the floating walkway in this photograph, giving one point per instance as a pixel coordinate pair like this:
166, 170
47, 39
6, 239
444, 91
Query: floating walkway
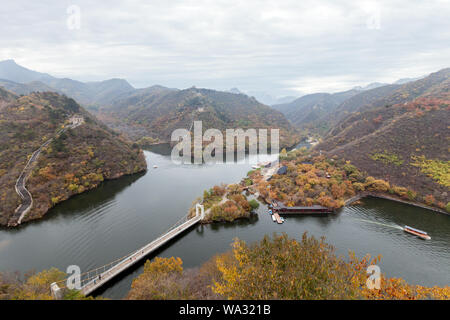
281, 209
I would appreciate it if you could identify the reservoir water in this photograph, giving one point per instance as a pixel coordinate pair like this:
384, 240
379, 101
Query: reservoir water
120, 216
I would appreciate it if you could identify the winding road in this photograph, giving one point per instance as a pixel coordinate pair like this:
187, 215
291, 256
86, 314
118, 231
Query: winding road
22, 191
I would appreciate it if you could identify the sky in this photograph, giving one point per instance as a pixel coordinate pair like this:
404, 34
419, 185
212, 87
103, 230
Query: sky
283, 47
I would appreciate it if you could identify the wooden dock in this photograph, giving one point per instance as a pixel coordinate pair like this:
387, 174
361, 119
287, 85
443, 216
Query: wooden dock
281, 209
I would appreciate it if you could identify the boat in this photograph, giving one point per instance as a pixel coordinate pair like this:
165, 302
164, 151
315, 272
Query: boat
273, 218
417, 232
155, 166
270, 212
255, 167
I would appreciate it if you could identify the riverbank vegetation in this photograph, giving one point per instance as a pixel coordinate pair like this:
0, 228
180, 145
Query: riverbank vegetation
274, 268
314, 180
225, 203
330, 181
34, 286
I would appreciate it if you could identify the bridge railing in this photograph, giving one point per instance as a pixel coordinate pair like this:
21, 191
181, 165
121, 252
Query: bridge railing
92, 276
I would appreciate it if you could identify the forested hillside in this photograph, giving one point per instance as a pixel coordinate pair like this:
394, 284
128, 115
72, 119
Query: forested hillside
77, 160
402, 138
25, 88
310, 111
358, 101
156, 113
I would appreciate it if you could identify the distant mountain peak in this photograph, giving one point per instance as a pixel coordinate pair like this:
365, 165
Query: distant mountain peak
370, 86
8, 61
10, 70
235, 91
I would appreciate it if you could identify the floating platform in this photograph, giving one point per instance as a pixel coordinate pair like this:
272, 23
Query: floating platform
417, 232
282, 209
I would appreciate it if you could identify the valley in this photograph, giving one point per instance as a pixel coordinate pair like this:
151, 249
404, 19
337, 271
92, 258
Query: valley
120, 216
74, 174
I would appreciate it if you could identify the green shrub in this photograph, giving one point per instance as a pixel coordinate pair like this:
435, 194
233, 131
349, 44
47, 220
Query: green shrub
411, 195
387, 158
436, 169
253, 204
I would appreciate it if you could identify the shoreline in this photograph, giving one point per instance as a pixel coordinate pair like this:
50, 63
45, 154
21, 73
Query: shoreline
38, 218
393, 198
267, 174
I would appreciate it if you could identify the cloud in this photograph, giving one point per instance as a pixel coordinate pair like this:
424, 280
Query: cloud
280, 47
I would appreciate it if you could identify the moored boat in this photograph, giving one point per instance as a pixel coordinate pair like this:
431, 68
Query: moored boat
417, 232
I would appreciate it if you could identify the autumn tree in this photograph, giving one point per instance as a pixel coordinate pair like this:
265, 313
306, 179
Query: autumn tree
282, 268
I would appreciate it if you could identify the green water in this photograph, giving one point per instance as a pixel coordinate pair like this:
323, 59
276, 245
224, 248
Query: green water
102, 225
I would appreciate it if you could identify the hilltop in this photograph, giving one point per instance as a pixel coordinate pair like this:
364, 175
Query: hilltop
75, 161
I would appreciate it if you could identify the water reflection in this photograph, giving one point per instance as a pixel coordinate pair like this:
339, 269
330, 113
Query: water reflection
240, 223
122, 215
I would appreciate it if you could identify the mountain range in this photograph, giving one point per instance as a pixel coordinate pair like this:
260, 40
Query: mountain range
318, 112
24, 81
397, 132
153, 113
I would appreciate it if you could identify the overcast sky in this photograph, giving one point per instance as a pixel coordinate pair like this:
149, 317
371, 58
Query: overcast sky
283, 47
